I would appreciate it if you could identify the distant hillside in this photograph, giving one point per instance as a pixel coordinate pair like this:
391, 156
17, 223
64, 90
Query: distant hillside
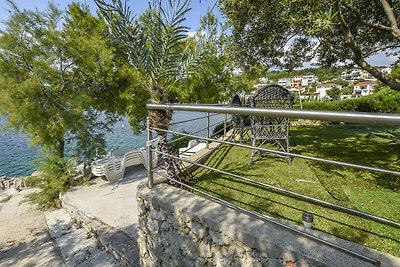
323, 73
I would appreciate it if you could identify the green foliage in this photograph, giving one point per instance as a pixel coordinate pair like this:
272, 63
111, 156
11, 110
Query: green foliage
212, 79
348, 90
288, 33
61, 80
385, 101
153, 41
56, 72
55, 177
172, 66
334, 93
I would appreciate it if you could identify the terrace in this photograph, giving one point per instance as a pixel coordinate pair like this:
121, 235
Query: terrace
346, 174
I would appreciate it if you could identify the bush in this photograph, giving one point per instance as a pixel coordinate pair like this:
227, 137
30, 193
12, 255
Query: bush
385, 101
55, 177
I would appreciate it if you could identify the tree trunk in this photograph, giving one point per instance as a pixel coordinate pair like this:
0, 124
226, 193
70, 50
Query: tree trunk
60, 147
160, 119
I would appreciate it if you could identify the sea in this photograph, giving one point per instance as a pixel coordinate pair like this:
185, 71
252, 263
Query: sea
19, 158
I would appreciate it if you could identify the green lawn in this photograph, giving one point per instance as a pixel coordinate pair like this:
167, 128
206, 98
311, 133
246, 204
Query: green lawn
370, 192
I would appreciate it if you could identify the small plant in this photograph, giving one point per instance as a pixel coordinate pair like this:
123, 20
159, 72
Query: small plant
6, 199
56, 176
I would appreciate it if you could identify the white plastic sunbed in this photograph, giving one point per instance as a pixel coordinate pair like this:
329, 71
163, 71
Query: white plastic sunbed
113, 166
193, 147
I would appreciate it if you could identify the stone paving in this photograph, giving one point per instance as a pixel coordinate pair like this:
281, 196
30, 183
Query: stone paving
77, 247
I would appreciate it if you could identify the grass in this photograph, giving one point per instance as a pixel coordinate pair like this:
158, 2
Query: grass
366, 191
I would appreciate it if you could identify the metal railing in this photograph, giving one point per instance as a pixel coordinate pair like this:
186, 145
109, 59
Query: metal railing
350, 117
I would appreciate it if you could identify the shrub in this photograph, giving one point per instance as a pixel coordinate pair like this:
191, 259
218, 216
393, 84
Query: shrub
385, 101
56, 176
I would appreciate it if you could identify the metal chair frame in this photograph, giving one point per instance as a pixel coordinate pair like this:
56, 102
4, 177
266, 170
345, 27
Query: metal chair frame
275, 129
239, 129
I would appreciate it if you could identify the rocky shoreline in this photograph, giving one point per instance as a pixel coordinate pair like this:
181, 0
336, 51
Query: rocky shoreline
12, 182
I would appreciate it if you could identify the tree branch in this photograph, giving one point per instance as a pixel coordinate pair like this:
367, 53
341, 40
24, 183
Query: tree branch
358, 57
391, 16
332, 48
392, 30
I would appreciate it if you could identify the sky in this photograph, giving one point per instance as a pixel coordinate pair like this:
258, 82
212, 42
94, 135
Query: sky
199, 8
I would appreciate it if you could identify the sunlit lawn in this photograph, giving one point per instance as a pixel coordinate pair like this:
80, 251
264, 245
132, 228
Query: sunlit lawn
366, 191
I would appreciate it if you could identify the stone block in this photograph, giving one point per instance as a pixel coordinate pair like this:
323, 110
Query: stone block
205, 250
156, 215
200, 262
190, 249
220, 239
198, 229
221, 260
153, 225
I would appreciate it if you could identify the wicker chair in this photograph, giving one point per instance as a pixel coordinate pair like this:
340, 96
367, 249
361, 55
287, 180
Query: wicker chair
239, 127
271, 129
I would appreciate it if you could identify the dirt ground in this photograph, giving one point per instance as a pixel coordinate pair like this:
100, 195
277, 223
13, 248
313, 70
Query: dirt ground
24, 236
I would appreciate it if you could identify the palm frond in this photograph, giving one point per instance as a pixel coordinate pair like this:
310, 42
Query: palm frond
154, 39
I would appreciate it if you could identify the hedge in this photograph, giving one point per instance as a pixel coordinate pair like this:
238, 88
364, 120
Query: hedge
384, 101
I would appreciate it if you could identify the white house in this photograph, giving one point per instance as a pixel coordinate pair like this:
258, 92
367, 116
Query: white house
285, 82
364, 88
356, 74
323, 88
308, 79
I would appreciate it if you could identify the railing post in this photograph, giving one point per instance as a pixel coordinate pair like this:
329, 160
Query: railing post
149, 154
208, 130
226, 118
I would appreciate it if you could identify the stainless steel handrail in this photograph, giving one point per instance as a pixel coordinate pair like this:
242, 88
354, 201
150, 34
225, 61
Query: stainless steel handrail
328, 161
294, 194
349, 117
352, 117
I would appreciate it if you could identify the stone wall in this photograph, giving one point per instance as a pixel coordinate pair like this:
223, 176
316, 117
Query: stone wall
178, 228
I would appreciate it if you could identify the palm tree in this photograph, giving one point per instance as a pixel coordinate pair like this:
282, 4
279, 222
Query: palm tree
153, 43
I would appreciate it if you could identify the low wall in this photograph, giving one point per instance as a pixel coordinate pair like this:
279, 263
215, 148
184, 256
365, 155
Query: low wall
178, 228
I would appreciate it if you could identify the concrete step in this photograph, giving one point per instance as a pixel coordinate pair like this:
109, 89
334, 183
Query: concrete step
77, 246
117, 243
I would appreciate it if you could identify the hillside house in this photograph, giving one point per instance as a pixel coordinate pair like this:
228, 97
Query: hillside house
323, 88
364, 88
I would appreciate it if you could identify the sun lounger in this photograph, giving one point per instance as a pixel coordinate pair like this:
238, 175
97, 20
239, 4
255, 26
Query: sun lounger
113, 166
192, 148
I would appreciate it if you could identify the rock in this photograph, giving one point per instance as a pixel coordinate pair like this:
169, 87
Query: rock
37, 173
220, 239
200, 262
205, 250
156, 215
221, 260
198, 229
